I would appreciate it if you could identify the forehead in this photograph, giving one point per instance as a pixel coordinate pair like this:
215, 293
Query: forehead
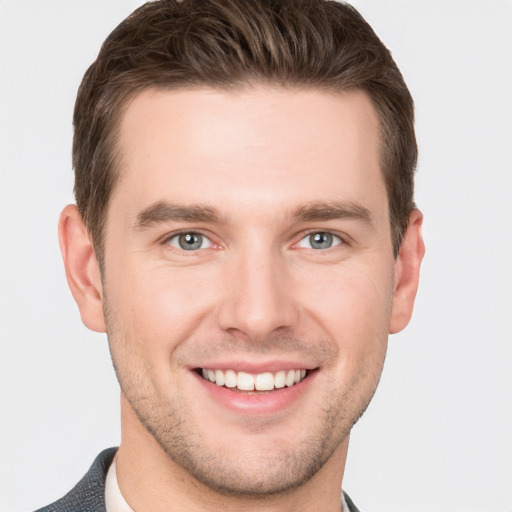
249, 147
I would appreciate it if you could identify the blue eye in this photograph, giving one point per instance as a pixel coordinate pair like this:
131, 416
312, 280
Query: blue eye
320, 240
189, 241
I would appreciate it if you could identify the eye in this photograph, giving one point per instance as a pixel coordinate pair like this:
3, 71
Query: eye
320, 240
189, 241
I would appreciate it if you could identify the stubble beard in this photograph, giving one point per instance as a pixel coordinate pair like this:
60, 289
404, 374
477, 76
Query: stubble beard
263, 476
274, 472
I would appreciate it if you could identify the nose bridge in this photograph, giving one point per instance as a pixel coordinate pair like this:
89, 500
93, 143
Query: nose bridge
257, 299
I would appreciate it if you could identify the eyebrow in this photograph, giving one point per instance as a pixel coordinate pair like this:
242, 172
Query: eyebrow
333, 211
162, 211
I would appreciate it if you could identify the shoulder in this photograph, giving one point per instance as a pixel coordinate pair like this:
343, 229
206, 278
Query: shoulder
89, 493
350, 503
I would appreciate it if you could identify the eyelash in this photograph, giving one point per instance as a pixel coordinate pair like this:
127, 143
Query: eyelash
168, 239
341, 240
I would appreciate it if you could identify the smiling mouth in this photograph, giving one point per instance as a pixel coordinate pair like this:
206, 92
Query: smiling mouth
242, 381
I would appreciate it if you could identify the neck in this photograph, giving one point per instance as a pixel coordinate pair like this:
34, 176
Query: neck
150, 480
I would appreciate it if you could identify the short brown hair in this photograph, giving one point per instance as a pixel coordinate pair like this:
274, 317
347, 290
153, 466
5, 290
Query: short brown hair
169, 44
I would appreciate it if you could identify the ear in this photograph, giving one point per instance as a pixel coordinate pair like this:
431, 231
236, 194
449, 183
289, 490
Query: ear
82, 268
407, 273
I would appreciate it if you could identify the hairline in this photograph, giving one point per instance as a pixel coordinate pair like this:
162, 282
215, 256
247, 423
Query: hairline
112, 141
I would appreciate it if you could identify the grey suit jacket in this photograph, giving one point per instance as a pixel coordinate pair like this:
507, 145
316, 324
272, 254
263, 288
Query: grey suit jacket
88, 495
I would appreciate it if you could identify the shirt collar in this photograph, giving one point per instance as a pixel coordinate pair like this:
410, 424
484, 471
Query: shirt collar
114, 500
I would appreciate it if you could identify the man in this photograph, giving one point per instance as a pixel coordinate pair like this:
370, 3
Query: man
245, 234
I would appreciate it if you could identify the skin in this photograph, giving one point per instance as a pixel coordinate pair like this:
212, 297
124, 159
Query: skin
256, 293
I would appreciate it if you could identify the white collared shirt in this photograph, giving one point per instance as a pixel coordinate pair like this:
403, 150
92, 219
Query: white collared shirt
114, 500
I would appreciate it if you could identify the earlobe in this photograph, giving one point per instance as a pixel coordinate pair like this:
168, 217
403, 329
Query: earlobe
407, 271
82, 268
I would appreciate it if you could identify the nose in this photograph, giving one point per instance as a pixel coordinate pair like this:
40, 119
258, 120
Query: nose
257, 296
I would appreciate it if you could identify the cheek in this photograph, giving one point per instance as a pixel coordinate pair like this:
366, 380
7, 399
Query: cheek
160, 306
352, 302
355, 311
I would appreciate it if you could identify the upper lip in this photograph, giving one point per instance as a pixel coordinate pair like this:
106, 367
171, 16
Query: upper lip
255, 368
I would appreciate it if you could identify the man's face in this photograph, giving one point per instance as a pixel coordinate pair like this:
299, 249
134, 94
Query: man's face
248, 234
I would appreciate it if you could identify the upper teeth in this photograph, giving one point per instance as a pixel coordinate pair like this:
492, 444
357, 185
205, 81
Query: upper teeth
249, 382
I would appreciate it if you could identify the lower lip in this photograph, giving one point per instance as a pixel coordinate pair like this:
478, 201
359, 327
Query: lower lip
257, 403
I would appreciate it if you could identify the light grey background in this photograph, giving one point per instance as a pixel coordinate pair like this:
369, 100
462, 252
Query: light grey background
438, 435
